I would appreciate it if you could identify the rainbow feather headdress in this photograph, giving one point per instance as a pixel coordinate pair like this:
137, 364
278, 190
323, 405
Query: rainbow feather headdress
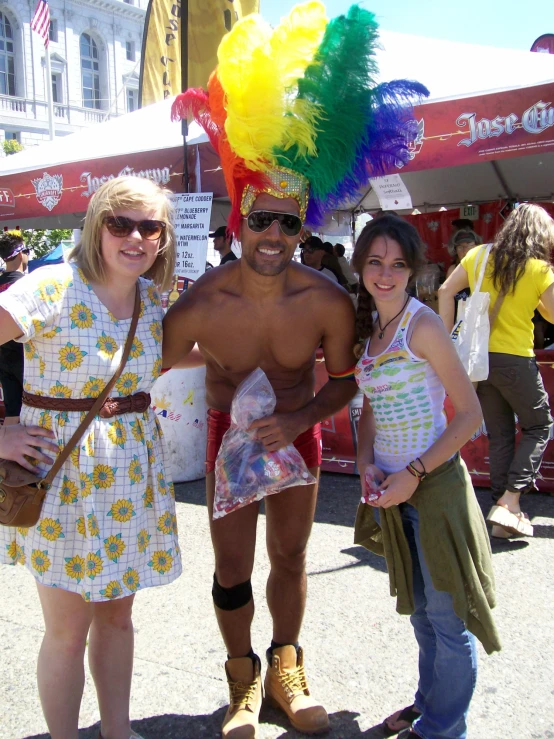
296, 111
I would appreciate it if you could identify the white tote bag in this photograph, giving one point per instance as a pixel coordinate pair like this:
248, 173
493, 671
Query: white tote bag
471, 333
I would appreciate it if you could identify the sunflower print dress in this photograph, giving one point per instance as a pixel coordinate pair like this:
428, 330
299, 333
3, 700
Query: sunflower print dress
108, 525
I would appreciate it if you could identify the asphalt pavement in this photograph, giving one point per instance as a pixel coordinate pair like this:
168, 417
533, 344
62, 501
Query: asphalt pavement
360, 655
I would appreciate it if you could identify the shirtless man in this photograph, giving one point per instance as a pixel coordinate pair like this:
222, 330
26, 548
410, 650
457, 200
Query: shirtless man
267, 311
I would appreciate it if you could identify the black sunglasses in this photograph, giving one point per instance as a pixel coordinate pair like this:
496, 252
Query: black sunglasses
120, 227
260, 220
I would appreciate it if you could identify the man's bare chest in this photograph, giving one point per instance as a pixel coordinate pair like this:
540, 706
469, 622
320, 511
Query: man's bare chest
239, 341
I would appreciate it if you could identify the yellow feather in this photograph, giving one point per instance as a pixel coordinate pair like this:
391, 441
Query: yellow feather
259, 71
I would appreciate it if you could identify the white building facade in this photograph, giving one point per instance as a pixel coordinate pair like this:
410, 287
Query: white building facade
95, 63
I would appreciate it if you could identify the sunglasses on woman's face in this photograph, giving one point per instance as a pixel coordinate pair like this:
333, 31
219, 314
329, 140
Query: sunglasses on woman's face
120, 227
260, 220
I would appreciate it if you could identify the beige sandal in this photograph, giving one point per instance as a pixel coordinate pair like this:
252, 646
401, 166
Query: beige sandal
499, 532
514, 523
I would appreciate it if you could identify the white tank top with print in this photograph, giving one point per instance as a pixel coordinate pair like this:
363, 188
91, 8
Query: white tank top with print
406, 397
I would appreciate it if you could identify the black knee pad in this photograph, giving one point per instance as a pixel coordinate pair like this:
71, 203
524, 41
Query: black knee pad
229, 599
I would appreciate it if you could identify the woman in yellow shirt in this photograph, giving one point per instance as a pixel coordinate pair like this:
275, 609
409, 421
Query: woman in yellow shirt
519, 270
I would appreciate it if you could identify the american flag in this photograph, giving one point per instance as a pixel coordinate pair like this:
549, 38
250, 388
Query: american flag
41, 20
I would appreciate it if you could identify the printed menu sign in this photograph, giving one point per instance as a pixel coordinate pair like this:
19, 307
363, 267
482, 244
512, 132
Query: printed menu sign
192, 226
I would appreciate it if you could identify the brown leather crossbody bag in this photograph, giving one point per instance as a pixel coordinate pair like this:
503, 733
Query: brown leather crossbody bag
22, 492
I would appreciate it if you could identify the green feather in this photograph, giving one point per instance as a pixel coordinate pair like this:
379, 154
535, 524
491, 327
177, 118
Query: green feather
339, 83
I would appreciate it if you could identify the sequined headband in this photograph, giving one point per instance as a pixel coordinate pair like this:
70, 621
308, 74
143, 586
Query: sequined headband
281, 183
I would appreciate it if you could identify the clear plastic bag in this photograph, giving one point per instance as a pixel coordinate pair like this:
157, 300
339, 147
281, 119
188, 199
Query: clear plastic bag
244, 470
371, 489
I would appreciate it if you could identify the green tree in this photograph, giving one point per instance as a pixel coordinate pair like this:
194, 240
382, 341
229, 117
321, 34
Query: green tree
42, 242
11, 146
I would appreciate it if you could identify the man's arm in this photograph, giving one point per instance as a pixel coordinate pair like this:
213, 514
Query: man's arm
179, 332
338, 343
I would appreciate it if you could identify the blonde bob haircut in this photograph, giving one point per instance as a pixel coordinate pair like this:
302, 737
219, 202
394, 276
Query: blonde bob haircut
126, 193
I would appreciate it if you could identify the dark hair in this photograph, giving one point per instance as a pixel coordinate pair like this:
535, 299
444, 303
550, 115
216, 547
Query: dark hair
413, 251
464, 223
8, 242
328, 247
339, 250
313, 242
527, 233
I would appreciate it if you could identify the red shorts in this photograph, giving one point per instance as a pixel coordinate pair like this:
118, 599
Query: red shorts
308, 443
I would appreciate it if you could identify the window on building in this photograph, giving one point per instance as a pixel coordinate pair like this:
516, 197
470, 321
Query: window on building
57, 88
130, 51
15, 135
132, 100
53, 31
7, 57
90, 71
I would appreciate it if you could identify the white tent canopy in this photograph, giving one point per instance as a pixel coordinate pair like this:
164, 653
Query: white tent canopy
147, 129
455, 69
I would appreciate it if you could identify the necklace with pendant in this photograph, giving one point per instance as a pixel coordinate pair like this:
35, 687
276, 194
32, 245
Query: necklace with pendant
382, 328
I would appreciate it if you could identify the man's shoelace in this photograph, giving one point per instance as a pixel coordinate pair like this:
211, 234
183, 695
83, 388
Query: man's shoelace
294, 682
242, 694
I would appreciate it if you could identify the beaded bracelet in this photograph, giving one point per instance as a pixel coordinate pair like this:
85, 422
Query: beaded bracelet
414, 470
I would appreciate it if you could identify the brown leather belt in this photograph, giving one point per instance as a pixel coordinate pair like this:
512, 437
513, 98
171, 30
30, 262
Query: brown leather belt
137, 403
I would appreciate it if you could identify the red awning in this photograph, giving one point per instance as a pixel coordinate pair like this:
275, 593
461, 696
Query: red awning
67, 188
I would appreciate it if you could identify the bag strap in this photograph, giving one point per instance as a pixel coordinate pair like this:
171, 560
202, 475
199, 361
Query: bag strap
85, 423
485, 251
500, 299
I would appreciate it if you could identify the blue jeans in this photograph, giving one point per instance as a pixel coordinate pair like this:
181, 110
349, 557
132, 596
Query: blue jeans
447, 650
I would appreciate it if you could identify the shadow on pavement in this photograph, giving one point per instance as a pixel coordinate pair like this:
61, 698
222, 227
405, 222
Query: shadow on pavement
337, 498
505, 546
543, 532
168, 726
363, 557
343, 725
172, 726
339, 495
191, 492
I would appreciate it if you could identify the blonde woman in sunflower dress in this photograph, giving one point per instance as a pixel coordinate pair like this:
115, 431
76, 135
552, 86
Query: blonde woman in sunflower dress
107, 528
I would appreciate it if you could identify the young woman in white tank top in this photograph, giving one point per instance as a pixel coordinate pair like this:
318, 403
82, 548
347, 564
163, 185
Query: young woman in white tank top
407, 363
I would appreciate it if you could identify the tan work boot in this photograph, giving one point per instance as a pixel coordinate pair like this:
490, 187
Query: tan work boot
286, 688
245, 698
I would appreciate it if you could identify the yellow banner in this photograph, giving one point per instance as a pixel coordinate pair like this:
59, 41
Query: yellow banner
208, 21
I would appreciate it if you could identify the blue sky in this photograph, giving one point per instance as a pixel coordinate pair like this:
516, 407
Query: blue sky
507, 23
